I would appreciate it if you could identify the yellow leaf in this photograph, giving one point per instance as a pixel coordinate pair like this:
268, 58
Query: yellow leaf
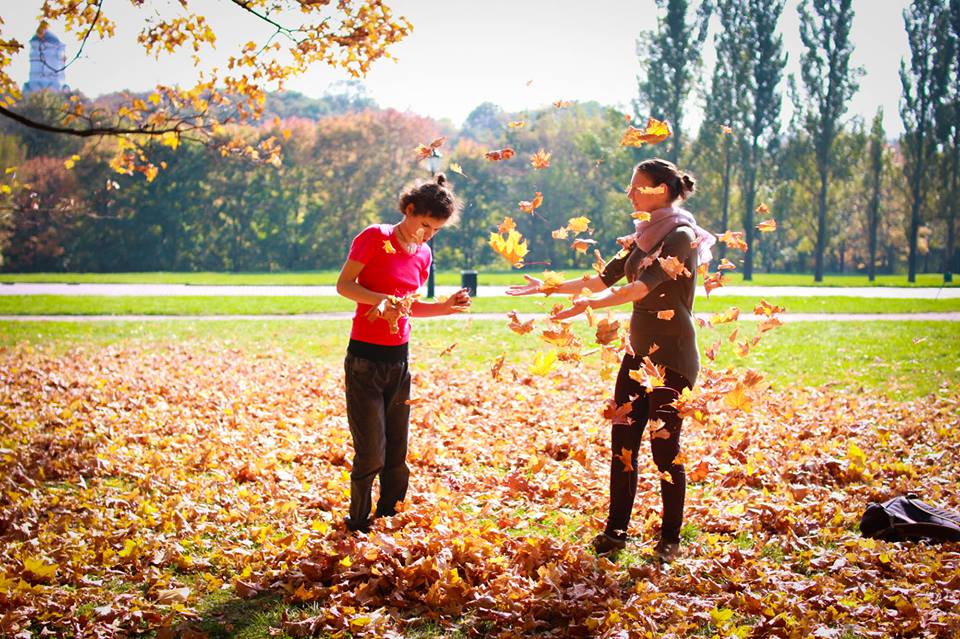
388, 247
737, 399
346, 561
5, 189
40, 568
70, 162
544, 363
512, 247
721, 616
578, 224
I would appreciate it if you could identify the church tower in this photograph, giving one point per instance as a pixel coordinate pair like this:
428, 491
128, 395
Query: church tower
47, 59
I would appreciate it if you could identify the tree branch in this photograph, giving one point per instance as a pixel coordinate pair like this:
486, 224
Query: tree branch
84, 133
83, 42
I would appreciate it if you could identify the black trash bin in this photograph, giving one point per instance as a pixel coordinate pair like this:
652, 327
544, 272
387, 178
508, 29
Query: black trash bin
468, 280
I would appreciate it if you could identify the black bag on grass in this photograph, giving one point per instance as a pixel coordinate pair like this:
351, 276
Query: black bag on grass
909, 519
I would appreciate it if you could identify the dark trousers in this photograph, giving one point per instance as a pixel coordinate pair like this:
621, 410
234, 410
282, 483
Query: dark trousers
378, 414
623, 483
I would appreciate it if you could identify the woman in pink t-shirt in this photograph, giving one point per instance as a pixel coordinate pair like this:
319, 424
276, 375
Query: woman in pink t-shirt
387, 263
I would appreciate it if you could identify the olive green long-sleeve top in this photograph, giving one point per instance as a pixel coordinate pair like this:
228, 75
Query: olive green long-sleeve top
676, 338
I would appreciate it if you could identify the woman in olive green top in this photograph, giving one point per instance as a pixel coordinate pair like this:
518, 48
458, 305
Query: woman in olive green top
660, 263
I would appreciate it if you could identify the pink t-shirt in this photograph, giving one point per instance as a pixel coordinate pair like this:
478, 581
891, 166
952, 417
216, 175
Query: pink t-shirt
397, 273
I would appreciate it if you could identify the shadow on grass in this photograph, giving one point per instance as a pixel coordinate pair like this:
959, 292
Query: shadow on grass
227, 616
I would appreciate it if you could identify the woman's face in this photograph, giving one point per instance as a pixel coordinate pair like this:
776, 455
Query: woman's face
645, 195
422, 227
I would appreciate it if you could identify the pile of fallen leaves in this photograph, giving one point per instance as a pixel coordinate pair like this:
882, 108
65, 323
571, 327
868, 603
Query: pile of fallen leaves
140, 484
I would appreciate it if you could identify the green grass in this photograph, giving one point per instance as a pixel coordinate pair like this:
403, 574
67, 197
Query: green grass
900, 359
444, 278
262, 305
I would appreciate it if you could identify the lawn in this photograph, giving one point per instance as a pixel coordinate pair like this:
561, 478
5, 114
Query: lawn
255, 305
444, 278
188, 479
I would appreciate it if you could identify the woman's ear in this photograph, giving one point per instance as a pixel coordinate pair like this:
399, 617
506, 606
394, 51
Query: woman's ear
409, 210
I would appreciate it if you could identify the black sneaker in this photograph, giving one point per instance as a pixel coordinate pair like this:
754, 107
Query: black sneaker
604, 544
666, 552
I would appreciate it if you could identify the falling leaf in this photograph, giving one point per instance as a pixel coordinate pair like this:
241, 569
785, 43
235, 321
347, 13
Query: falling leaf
713, 281
649, 374
512, 247
562, 104
388, 247
498, 364
730, 315
700, 472
726, 265
425, 151
518, 327
560, 234
551, 280
764, 307
540, 160
673, 267
502, 154
666, 314
769, 324
544, 363
448, 349
581, 245
617, 413
737, 399
643, 216
456, 168
654, 133
726, 130
529, 207
743, 348
767, 226
711, 352
733, 239
516, 124
578, 224
658, 430
607, 330
626, 458
391, 309
762, 209
561, 335
507, 225
70, 162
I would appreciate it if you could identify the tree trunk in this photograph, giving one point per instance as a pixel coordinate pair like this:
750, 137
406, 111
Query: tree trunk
725, 204
952, 217
912, 237
750, 195
821, 229
873, 222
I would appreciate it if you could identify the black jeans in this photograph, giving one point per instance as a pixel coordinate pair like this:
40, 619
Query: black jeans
378, 414
623, 483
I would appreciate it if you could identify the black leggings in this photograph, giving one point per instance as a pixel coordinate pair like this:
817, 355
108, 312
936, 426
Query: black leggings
623, 483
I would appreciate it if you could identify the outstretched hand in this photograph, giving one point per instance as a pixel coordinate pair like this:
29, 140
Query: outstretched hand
578, 306
532, 287
459, 302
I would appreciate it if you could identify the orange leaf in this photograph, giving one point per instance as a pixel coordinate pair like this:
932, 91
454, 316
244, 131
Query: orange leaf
673, 267
607, 330
766, 308
516, 124
626, 458
388, 247
582, 245
666, 314
502, 154
711, 352
424, 152
518, 327
655, 132
733, 239
730, 315
762, 209
649, 374
767, 226
562, 104
726, 265
540, 159
507, 225
700, 472
712, 282
617, 413
528, 207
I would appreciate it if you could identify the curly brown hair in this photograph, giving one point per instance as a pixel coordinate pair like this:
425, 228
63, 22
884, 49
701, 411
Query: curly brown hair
433, 198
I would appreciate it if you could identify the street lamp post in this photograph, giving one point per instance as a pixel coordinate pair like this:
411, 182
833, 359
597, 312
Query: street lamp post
433, 164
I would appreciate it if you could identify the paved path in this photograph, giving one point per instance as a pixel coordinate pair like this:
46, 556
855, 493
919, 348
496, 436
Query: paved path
786, 317
165, 290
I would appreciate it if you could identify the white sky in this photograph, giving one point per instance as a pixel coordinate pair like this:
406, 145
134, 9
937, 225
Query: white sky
464, 52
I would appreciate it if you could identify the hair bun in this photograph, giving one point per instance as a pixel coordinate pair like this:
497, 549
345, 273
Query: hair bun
441, 179
688, 183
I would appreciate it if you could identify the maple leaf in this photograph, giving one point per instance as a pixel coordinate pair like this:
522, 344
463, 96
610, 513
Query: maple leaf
743, 348
764, 307
607, 330
654, 133
666, 314
711, 352
626, 458
544, 363
425, 151
501, 154
767, 226
673, 267
578, 224
528, 207
551, 280
726, 265
540, 160
617, 413
516, 124
498, 364
700, 472
643, 216
658, 430
456, 168
762, 209
649, 374
769, 324
737, 399
730, 315
388, 247
391, 309
562, 335
581, 245
512, 247
507, 225
712, 282
518, 327
560, 234
733, 239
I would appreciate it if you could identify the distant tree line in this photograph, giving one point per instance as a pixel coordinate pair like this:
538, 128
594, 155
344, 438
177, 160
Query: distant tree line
845, 197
